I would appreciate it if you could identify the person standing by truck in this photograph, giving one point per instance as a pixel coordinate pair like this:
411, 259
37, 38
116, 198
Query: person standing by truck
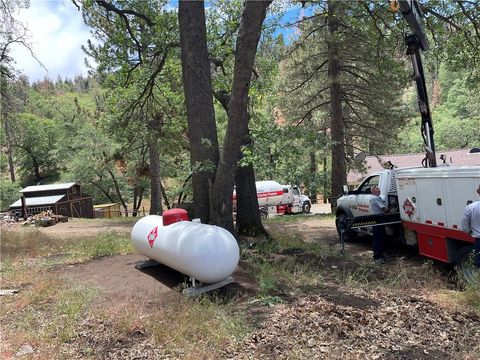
378, 207
471, 225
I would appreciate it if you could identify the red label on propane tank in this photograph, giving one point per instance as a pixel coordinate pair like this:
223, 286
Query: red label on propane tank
152, 236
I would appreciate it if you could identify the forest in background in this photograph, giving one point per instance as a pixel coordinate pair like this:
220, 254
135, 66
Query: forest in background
108, 130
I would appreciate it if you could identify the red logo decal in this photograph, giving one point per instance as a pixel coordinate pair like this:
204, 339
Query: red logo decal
152, 236
409, 207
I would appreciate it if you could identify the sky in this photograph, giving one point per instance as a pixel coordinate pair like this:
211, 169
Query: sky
57, 33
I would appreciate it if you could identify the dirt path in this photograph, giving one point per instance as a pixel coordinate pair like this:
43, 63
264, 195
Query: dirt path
82, 227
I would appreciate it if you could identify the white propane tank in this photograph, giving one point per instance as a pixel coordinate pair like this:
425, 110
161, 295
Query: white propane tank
207, 253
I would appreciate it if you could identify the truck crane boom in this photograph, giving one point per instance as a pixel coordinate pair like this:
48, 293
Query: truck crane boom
416, 41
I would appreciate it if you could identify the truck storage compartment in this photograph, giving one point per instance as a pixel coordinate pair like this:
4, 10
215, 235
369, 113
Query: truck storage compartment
432, 246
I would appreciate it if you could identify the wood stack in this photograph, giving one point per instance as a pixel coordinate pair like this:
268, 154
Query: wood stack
47, 218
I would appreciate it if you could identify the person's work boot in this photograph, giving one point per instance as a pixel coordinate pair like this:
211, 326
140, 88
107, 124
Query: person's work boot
380, 260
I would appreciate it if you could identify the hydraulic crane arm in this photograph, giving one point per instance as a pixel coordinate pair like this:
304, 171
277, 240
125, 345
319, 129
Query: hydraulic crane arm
411, 12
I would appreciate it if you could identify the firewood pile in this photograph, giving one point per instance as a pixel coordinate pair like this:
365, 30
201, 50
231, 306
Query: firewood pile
46, 218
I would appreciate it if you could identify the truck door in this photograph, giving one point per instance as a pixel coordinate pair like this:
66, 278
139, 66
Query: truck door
297, 199
364, 194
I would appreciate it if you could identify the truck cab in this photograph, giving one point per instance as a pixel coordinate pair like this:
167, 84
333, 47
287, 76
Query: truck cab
356, 203
294, 201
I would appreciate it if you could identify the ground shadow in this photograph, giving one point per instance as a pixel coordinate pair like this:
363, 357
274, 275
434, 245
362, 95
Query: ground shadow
165, 275
243, 284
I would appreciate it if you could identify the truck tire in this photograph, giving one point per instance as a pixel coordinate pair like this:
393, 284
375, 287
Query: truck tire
263, 213
465, 264
341, 222
306, 207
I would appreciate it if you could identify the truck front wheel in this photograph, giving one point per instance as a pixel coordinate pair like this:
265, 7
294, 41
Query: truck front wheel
306, 207
341, 222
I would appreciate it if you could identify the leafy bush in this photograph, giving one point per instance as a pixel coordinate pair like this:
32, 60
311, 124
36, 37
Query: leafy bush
9, 193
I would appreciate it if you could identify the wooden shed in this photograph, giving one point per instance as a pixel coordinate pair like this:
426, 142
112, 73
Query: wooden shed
63, 199
107, 211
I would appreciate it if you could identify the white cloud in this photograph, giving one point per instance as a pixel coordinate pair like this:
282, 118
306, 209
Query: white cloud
57, 33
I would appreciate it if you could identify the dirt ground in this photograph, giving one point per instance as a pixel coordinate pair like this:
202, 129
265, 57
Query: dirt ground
82, 227
329, 321
118, 275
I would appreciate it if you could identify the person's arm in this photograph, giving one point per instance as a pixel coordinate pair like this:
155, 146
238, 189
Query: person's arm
467, 220
379, 203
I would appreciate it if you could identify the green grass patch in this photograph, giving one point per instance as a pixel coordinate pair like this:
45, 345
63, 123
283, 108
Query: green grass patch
201, 324
297, 218
45, 312
67, 311
18, 246
106, 244
29, 243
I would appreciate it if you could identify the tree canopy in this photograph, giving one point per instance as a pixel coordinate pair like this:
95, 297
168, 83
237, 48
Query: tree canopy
186, 102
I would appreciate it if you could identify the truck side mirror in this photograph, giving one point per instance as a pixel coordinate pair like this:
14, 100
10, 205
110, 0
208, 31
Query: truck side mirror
345, 189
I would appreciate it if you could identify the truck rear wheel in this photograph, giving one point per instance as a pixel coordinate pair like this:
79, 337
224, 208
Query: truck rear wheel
464, 259
341, 222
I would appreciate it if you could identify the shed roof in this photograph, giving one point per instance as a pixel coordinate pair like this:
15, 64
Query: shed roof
35, 188
38, 201
452, 157
101, 206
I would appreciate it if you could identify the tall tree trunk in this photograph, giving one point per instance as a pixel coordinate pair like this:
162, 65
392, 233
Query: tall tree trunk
164, 195
202, 129
137, 199
36, 169
248, 215
8, 138
155, 126
119, 193
336, 116
155, 186
237, 128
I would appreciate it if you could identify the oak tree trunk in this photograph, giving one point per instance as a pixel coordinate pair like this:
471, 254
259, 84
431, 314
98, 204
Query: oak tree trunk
155, 186
154, 127
202, 128
237, 127
248, 214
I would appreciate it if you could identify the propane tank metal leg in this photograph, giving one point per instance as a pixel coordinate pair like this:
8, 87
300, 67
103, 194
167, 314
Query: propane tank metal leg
195, 291
146, 264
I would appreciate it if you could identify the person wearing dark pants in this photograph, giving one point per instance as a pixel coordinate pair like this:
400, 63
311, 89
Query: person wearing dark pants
471, 225
378, 207
378, 240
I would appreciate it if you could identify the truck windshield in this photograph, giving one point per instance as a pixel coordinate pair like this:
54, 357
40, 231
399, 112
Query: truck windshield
365, 187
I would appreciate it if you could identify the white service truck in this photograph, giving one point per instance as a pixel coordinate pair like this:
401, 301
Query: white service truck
280, 199
429, 202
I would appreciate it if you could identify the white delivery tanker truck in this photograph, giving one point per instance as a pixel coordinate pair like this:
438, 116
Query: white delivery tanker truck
430, 203
280, 199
